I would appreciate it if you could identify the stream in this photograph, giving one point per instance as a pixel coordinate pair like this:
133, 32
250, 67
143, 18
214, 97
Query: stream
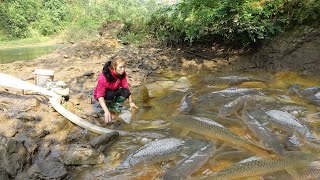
156, 114
9, 55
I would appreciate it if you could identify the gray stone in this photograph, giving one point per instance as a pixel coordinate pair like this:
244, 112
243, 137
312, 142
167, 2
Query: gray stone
103, 141
8, 130
82, 156
28, 143
3, 175
13, 156
49, 169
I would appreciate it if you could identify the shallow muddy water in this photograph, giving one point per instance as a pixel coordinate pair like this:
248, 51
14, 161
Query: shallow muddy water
155, 116
9, 55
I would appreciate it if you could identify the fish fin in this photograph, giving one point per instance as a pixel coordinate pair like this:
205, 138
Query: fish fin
192, 178
252, 178
293, 173
221, 147
184, 132
237, 115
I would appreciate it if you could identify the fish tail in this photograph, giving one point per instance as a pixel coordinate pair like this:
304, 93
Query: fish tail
258, 150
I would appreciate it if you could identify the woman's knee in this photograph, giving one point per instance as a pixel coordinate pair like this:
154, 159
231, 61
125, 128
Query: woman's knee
125, 92
109, 95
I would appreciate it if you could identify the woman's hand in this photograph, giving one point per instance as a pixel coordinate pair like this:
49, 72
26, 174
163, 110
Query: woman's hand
133, 105
107, 117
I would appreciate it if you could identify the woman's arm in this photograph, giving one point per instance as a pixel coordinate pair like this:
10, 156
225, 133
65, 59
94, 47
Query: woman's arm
107, 115
132, 104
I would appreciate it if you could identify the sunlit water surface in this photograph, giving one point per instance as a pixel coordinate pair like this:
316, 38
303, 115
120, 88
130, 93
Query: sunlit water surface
154, 115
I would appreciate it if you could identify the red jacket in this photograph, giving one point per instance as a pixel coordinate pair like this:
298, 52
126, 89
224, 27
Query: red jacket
103, 84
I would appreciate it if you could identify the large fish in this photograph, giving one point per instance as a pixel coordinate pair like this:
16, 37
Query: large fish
315, 99
260, 166
309, 91
186, 104
191, 164
233, 155
292, 142
216, 98
289, 123
235, 91
262, 133
238, 103
312, 94
231, 80
154, 151
311, 172
210, 128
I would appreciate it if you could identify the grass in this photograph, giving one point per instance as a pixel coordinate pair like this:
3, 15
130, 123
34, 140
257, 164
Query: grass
25, 42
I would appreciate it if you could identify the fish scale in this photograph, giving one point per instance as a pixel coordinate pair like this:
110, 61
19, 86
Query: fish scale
262, 133
289, 122
231, 80
215, 99
191, 164
263, 166
315, 99
237, 104
232, 91
155, 151
210, 128
309, 91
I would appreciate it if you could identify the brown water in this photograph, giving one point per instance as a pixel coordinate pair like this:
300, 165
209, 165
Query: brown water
154, 116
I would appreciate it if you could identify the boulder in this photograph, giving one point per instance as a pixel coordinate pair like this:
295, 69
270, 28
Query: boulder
13, 156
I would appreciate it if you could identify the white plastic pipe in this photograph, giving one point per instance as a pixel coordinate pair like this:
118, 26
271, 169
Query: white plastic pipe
13, 82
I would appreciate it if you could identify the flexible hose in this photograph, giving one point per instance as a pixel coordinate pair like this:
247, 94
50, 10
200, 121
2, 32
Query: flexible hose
13, 82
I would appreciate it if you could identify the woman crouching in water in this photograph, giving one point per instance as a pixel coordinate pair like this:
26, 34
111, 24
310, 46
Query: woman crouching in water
112, 88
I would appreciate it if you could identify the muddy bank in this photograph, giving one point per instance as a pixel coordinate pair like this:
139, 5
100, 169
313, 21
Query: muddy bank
42, 136
297, 51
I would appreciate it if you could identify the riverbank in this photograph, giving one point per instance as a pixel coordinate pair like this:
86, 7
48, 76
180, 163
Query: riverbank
32, 42
27, 117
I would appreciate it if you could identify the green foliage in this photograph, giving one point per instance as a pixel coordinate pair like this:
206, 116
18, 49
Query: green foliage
240, 22
19, 17
134, 14
237, 22
89, 16
51, 17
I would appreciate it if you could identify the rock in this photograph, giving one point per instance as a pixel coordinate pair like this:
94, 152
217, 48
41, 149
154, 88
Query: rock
142, 94
13, 156
49, 169
8, 130
25, 117
56, 124
103, 141
28, 143
9, 127
34, 103
61, 91
82, 156
125, 115
3, 175
88, 73
42, 154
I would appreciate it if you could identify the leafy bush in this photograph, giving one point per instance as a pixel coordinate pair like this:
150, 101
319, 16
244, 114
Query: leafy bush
19, 17
52, 17
87, 18
241, 22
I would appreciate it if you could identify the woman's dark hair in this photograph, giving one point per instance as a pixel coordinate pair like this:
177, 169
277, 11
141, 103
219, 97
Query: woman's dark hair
107, 70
